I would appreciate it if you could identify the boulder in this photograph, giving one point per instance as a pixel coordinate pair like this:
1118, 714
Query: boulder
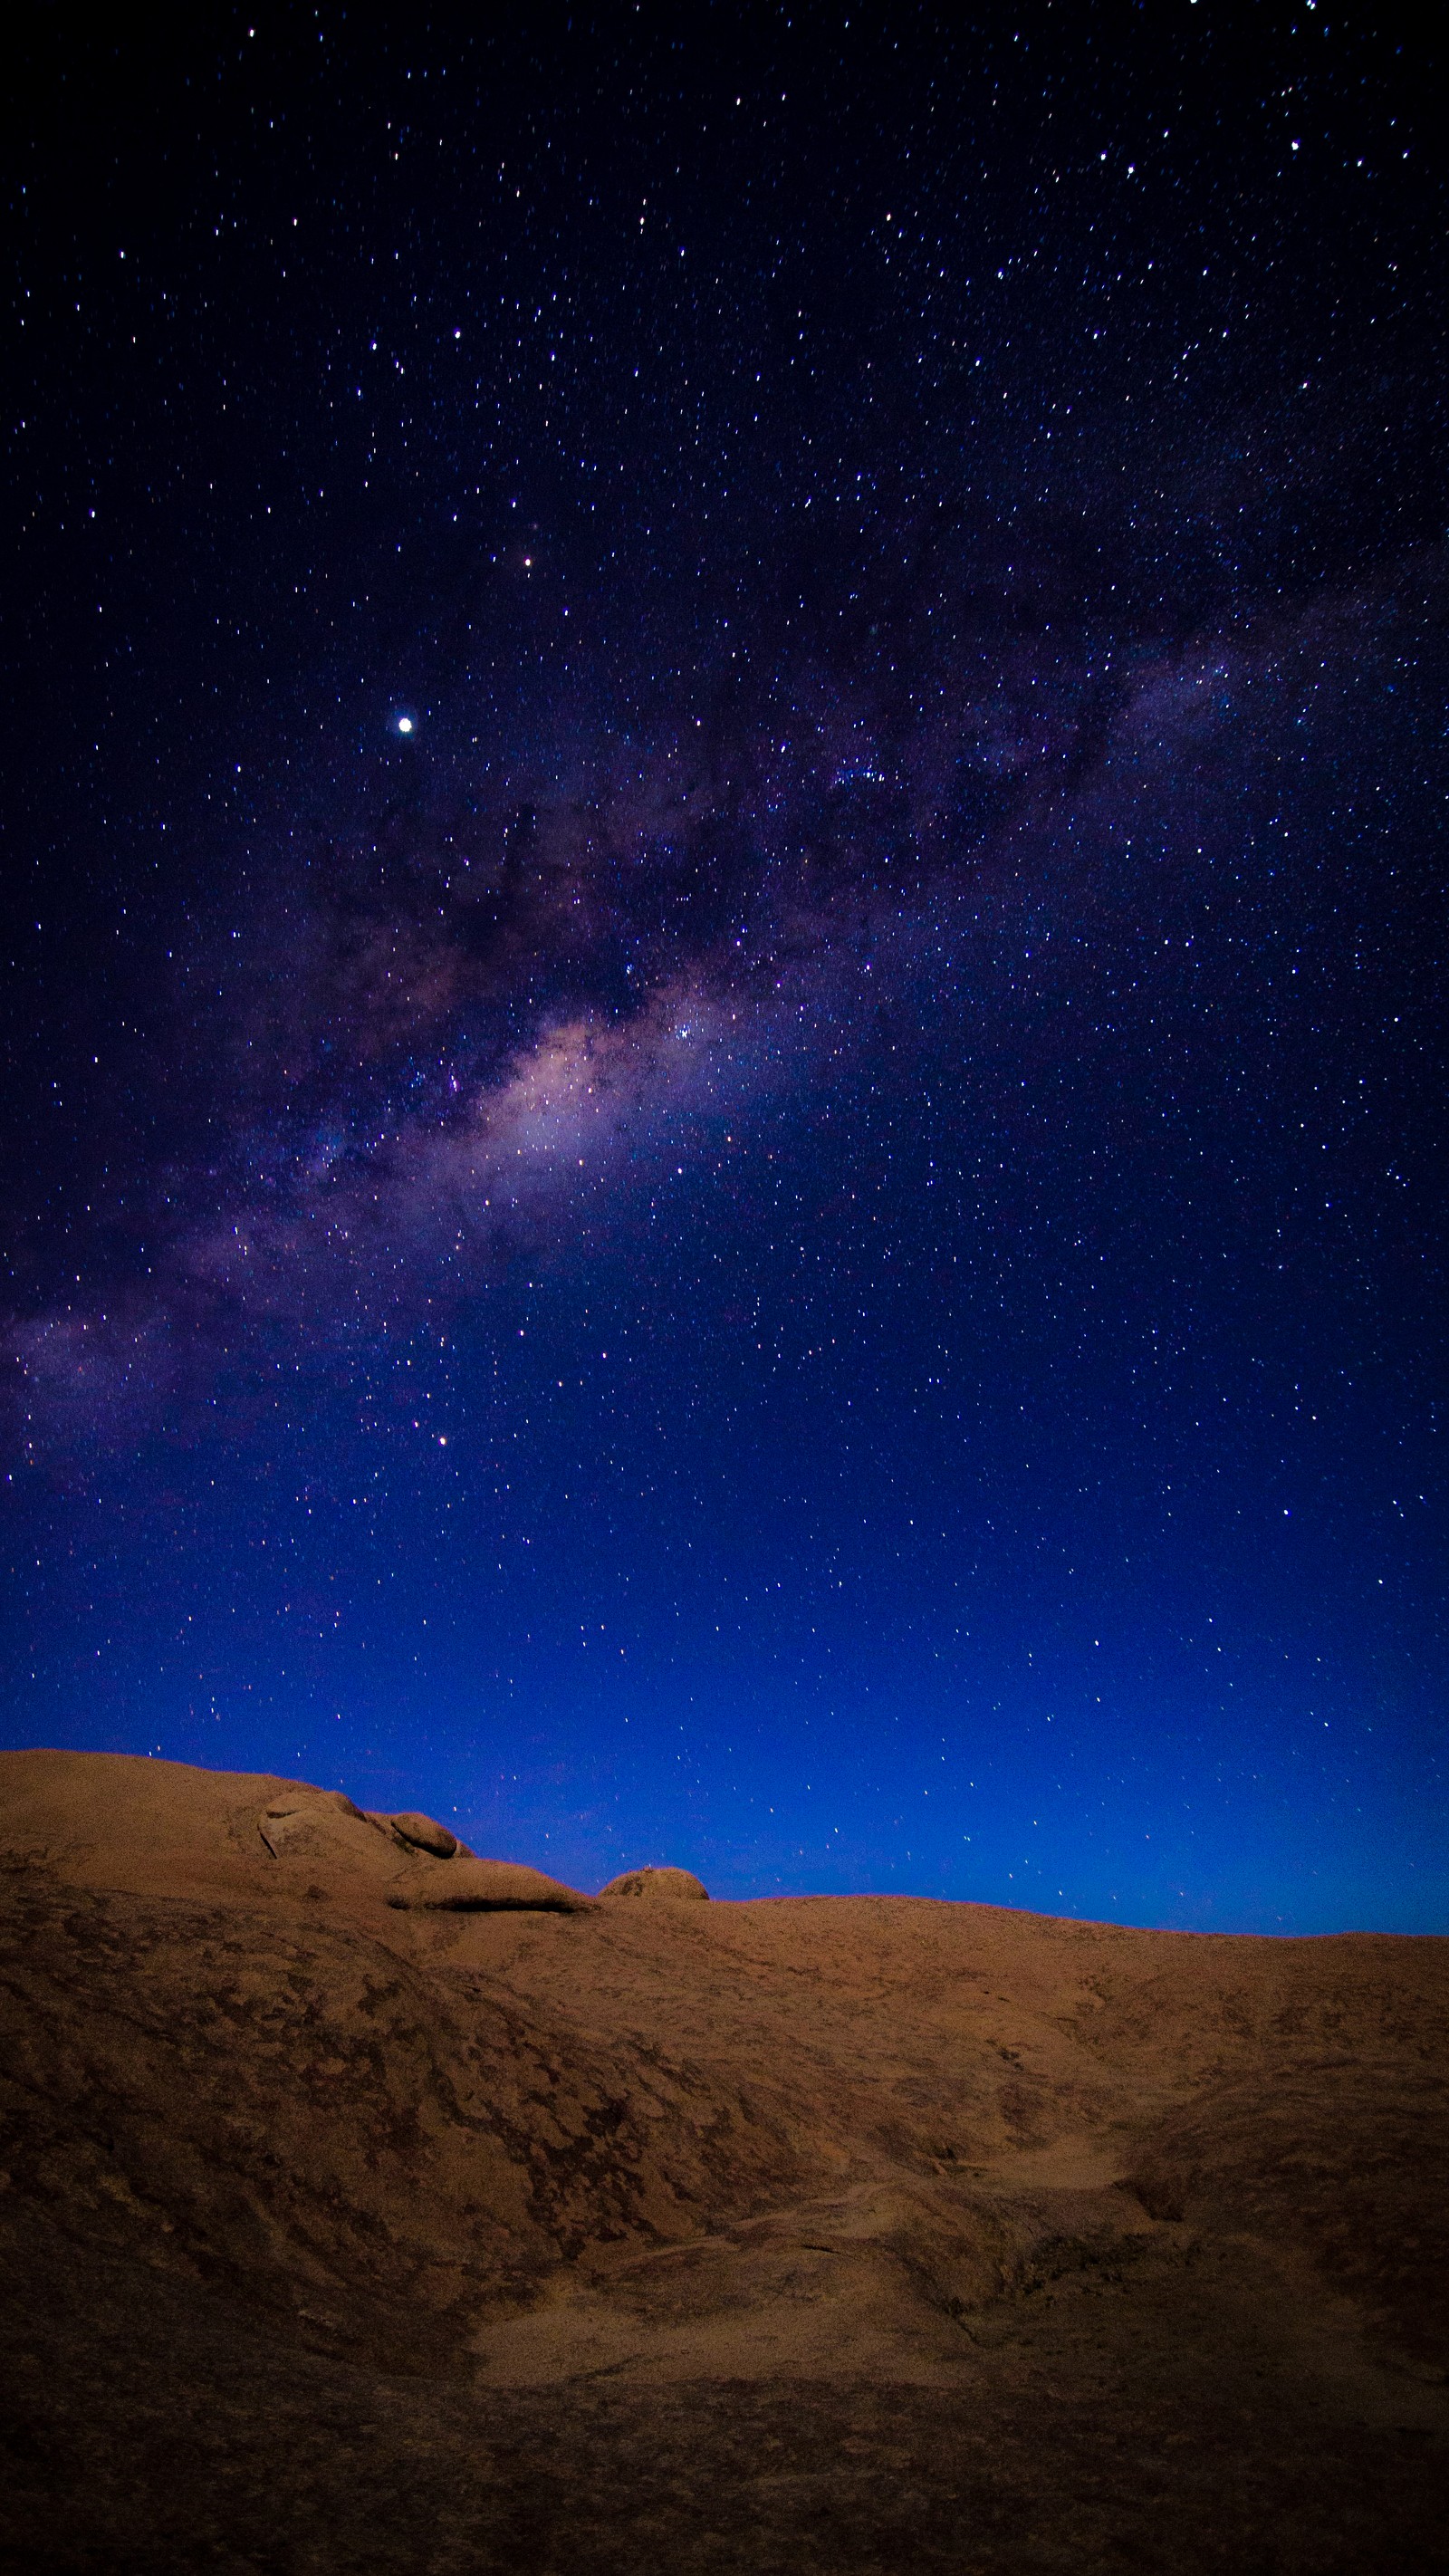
422, 1834
657, 1882
471, 1886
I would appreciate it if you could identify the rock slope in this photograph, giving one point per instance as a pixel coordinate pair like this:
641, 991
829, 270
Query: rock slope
368, 2204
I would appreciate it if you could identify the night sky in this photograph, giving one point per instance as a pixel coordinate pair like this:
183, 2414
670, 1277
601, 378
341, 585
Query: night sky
723, 862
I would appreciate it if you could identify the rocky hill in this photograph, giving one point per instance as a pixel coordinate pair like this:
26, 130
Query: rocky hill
367, 2204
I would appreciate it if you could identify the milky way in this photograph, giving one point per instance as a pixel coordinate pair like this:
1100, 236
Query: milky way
498, 1018
724, 944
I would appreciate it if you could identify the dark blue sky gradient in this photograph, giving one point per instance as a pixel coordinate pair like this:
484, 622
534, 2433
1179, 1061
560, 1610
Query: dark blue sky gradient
803, 1234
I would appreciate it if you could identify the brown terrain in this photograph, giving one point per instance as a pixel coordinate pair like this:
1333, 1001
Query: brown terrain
369, 2206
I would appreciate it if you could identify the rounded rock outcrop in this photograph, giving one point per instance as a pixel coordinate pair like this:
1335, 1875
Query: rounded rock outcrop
656, 1883
473, 1886
424, 1833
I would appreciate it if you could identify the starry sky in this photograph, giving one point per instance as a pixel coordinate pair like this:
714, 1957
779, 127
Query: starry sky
723, 864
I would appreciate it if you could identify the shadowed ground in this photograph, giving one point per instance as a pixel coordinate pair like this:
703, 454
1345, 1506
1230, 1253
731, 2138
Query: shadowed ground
344, 2228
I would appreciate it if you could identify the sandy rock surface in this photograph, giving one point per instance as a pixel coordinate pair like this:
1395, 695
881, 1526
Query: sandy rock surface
343, 2228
